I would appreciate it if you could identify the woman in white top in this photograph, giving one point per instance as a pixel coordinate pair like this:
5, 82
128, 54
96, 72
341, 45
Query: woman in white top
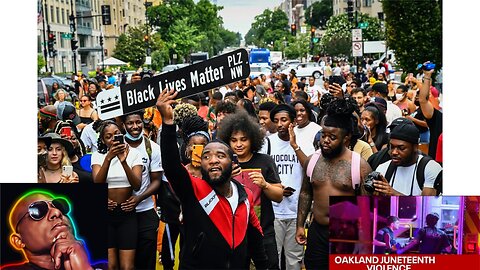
121, 168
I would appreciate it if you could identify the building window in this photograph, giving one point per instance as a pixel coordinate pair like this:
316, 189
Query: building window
58, 15
123, 13
62, 44
51, 14
367, 3
63, 16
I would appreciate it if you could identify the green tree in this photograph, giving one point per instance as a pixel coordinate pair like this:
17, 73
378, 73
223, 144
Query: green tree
318, 13
414, 32
40, 63
267, 28
184, 38
337, 40
163, 16
131, 46
298, 47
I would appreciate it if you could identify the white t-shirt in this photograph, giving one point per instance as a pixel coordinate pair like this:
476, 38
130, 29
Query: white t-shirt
89, 137
153, 165
393, 112
116, 177
312, 91
290, 172
233, 200
305, 137
402, 179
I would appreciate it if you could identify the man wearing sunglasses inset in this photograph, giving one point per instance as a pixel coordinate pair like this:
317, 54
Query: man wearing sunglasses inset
44, 233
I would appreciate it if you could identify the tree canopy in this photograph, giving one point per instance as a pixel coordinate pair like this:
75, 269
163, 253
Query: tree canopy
414, 32
318, 13
267, 28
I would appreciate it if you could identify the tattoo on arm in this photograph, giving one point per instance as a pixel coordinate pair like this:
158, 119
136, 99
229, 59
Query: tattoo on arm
305, 198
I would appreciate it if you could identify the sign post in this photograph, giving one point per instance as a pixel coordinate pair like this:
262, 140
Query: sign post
357, 43
187, 81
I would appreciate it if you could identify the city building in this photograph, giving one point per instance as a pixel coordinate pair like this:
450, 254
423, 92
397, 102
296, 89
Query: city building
371, 7
88, 21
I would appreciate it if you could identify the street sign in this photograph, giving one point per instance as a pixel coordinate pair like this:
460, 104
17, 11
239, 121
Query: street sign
363, 25
356, 35
315, 40
357, 49
67, 36
148, 60
187, 81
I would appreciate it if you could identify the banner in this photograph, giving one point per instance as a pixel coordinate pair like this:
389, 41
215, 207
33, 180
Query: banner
187, 81
403, 262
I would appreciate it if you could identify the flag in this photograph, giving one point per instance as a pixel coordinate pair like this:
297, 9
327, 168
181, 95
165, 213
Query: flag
39, 12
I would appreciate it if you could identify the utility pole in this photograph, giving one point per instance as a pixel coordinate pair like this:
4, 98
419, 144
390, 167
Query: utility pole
103, 52
147, 28
73, 41
44, 11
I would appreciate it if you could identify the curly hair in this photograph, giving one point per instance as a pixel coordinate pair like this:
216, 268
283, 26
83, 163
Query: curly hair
225, 107
242, 121
102, 148
191, 125
182, 112
339, 112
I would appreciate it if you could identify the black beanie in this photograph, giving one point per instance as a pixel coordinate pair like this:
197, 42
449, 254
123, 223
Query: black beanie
406, 132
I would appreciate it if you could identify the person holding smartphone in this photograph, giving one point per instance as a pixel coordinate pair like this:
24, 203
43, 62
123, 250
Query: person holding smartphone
58, 168
120, 167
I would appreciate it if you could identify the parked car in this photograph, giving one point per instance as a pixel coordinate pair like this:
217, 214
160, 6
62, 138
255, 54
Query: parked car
169, 68
256, 70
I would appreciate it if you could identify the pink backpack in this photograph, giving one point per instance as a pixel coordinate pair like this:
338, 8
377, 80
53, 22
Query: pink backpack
355, 167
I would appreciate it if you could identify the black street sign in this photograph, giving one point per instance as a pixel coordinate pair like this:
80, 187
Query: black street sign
187, 81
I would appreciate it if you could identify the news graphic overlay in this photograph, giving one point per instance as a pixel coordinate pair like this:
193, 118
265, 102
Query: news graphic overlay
404, 232
187, 81
38, 220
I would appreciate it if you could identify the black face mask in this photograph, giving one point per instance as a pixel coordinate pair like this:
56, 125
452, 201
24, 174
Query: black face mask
222, 179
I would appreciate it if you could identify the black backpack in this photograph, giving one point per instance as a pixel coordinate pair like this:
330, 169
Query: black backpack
438, 185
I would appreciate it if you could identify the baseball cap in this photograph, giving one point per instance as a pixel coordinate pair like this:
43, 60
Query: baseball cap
406, 132
400, 121
66, 111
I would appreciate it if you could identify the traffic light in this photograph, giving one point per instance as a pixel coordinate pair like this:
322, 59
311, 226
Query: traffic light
72, 23
312, 32
106, 19
293, 29
51, 43
350, 10
101, 41
74, 44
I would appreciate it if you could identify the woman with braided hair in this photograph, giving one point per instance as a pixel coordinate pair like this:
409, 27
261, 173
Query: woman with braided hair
374, 119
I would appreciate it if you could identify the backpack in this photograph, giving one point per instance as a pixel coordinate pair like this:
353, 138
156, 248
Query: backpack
355, 168
438, 185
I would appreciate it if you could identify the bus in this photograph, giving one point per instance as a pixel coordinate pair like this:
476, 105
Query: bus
198, 57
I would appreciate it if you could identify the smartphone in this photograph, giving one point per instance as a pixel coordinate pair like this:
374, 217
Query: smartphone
119, 138
291, 189
235, 158
197, 150
67, 131
67, 170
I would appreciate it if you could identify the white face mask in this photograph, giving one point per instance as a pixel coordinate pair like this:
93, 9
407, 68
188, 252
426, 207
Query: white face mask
399, 96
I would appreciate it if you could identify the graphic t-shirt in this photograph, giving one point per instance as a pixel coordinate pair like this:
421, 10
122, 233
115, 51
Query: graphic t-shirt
261, 204
290, 172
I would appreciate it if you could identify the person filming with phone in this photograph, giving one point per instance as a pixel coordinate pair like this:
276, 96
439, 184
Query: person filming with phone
120, 166
57, 167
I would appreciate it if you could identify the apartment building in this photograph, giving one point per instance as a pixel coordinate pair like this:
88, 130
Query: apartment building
89, 28
371, 7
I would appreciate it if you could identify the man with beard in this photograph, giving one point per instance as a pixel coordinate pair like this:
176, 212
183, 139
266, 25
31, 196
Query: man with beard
332, 171
221, 228
43, 230
141, 201
401, 174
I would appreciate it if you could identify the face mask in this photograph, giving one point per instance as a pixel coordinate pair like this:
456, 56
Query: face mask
131, 138
399, 96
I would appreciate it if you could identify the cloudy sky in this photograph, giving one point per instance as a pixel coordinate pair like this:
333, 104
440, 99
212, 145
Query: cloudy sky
238, 15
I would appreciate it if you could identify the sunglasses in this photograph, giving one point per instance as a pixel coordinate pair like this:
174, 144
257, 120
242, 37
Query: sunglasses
39, 209
84, 100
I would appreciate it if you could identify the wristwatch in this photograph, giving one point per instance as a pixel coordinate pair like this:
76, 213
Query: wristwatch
372, 144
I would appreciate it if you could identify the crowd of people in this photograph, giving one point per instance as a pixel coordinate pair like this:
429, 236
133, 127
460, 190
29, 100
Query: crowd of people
236, 170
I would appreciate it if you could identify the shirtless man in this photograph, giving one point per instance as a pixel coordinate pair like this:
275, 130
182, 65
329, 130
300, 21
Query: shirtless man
331, 176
